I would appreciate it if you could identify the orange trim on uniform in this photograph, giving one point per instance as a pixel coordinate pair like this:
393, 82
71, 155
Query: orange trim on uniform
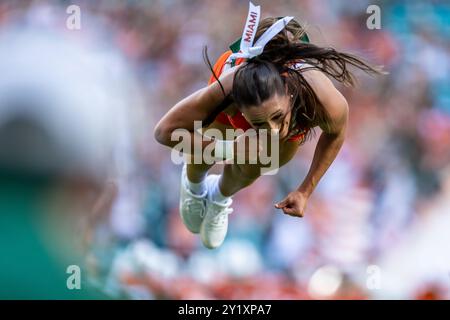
220, 64
237, 121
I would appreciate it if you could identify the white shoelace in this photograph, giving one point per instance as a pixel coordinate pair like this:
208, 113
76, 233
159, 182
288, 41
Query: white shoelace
196, 205
220, 216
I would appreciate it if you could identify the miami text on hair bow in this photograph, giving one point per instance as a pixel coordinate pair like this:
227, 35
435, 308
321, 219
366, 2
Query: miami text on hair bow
248, 49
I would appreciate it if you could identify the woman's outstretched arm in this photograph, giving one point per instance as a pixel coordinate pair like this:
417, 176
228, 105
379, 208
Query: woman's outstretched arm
196, 107
327, 148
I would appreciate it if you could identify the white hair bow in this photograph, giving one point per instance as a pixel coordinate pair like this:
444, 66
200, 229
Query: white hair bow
247, 48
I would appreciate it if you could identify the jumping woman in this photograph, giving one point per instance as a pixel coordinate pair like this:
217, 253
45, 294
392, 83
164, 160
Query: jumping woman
275, 80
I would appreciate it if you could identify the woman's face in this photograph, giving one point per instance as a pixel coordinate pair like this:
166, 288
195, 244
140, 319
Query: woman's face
274, 113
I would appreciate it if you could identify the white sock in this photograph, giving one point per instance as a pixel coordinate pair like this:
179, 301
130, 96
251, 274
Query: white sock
216, 195
197, 188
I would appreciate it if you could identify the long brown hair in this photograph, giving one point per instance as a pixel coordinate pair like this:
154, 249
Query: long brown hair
270, 72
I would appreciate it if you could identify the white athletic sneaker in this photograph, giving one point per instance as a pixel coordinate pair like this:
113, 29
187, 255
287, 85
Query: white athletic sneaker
192, 206
215, 223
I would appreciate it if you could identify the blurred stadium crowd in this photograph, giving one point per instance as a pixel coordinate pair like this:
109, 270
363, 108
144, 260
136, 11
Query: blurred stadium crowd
384, 203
